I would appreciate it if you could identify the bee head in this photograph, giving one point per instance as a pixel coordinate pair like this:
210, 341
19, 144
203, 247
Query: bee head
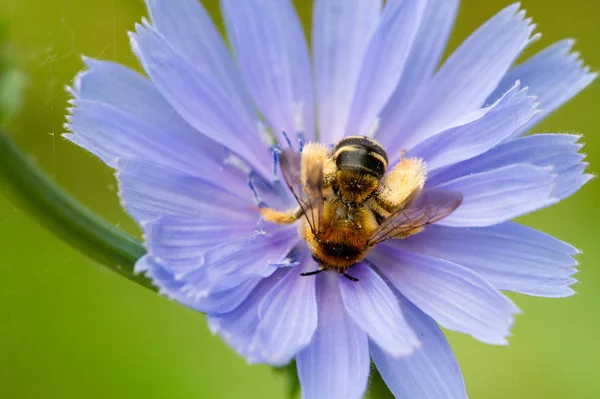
361, 162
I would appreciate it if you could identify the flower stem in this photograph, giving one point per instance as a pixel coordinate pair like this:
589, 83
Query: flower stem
30, 189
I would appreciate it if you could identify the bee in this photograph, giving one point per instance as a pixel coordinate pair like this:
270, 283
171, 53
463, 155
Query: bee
350, 202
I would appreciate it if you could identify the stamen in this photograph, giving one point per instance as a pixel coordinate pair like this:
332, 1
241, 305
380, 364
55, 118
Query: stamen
257, 199
289, 143
301, 140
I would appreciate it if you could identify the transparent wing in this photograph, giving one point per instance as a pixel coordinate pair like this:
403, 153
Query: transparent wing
307, 191
429, 207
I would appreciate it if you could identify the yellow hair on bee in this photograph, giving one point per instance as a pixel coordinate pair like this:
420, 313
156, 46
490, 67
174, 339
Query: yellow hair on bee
406, 178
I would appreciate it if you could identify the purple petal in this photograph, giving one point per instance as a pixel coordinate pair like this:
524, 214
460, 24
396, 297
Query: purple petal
186, 25
119, 113
452, 295
219, 302
463, 83
500, 194
431, 372
149, 191
199, 99
238, 328
508, 256
429, 44
270, 48
256, 256
558, 151
288, 315
374, 308
341, 33
384, 62
554, 75
182, 242
336, 363
500, 121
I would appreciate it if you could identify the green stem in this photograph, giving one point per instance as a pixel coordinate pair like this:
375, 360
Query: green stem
29, 188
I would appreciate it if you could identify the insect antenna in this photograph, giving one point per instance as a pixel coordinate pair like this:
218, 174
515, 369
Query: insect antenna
349, 277
312, 273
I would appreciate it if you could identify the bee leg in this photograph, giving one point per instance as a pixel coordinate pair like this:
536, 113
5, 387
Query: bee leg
401, 183
349, 277
312, 273
281, 217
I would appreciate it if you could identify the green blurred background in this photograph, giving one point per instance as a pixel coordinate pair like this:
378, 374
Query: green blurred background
71, 329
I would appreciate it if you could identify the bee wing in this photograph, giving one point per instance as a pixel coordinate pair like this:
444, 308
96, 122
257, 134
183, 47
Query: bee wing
431, 206
308, 193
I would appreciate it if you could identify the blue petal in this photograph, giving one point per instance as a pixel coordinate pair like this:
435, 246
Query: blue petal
508, 256
431, 372
229, 267
500, 194
336, 363
500, 121
554, 75
341, 33
219, 302
374, 308
119, 113
199, 99
238, 328
429, 44
229, 264
463, 83
150, 190
452, 295
270, 48
288, 315
182, 242
384, 61
558, 151
186, 25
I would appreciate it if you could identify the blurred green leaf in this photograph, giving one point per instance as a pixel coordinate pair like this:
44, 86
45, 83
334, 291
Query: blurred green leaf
12, 80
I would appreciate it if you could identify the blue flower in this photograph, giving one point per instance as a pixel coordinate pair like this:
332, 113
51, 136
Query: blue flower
196, 146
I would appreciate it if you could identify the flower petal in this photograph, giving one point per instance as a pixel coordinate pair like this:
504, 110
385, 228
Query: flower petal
219, 302
558, 151
150, 190
119, 113
431, 372
500, 121
341, 33
270, 48
384, 61
500, 194
182, 242
508, 255
554, 75
186, 25
452, 295
288, 315
463, 83
238, 327
199, 99
429, 44
374, 308
256, 256
336, 363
